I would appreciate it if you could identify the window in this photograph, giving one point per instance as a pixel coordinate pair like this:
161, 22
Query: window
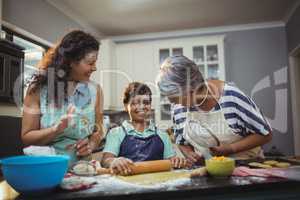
33, 51
33, 54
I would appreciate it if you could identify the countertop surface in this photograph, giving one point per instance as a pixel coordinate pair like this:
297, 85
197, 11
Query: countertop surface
207, 187
201, 186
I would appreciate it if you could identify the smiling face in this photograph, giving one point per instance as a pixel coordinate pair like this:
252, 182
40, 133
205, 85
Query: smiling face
139, 108
82, 70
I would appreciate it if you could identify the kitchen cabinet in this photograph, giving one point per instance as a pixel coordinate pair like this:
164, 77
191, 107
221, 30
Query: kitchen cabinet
208, 54
141, 60
11, 69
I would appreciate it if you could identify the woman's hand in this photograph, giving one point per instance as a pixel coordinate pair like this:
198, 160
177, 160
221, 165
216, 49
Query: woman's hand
65, 120
191, 156
178, 162
121, 166
222, 150
85, 147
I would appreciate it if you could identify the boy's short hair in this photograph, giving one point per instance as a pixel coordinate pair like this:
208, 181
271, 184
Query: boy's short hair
135, 88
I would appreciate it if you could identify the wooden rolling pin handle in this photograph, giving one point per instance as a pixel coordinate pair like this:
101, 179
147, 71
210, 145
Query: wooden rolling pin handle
151, 166
101, 171
144, 167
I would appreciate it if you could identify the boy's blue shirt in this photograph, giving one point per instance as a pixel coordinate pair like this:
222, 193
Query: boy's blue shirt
116, 136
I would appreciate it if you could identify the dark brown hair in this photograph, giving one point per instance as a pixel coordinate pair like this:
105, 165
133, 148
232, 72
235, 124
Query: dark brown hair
56, 62
135, 88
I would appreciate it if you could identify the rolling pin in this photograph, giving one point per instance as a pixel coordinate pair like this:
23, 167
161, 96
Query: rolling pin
145, 167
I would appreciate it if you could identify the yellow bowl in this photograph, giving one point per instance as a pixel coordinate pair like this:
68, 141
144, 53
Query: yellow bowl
220, 166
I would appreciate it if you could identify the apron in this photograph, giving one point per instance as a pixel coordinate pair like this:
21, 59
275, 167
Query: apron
207, 129
83, 98
142, 149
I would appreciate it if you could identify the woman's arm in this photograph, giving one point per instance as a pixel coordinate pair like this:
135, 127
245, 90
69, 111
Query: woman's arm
251, 142
87, 146
31, 133
251, 120
98, 135
247, 143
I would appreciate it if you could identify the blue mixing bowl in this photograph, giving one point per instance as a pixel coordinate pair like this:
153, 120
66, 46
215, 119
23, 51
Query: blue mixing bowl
34, 174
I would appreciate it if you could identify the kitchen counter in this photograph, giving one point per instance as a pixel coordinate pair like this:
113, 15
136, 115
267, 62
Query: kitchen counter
205, 187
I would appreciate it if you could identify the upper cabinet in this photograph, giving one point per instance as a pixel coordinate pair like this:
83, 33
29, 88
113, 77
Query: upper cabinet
207, 53
141, 60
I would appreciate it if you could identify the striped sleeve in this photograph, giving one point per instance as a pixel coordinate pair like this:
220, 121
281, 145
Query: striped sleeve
179, 118
242, 114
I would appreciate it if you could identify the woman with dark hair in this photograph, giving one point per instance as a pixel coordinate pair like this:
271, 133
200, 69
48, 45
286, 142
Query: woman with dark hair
137, 139
211, 117
63, 108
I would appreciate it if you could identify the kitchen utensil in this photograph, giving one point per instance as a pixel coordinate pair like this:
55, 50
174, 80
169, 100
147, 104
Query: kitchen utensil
34, 174
145, 167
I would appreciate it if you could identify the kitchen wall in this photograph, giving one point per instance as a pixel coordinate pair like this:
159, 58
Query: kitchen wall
293, 30
293, 41
256, 60
39, 18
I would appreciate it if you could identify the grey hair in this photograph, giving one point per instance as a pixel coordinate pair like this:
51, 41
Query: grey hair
177, 75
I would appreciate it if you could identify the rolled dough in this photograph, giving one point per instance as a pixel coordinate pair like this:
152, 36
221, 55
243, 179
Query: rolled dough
156, 178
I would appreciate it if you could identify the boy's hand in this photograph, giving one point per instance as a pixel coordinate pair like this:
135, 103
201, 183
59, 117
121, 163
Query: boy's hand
121, 166
178, 162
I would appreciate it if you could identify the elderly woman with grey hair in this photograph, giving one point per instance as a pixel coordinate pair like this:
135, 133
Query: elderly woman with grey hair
211, 117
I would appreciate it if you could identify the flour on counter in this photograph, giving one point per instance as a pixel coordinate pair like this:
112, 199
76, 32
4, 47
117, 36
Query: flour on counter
112, 185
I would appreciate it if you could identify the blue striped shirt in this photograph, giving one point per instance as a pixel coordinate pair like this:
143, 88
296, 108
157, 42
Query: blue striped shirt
240, 112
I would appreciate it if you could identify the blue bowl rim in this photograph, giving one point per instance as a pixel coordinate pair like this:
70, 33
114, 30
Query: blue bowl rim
6, 161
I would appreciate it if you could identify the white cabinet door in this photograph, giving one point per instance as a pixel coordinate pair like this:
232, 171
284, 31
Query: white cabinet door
134, 63
140, 61
207, 52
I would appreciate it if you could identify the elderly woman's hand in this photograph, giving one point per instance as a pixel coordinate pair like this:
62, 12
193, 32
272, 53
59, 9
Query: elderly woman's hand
191, 156
222, 150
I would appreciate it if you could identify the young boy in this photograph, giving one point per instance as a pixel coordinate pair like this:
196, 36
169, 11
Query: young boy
137, 139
